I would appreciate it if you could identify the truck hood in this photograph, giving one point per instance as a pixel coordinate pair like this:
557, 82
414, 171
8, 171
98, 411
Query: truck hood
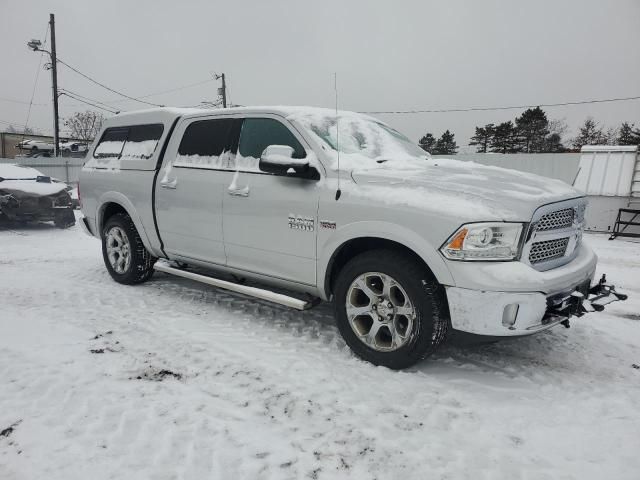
467, 189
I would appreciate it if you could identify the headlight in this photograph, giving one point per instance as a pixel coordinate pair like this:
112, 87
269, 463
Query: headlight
484, 241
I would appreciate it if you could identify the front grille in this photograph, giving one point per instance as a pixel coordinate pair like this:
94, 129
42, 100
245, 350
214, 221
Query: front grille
547, 250
555, 220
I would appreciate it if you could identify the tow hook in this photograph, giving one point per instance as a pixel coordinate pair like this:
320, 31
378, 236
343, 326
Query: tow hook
583, 300
603, 289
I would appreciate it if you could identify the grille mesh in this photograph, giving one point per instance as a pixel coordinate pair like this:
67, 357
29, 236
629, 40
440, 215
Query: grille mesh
557, 219
548, 250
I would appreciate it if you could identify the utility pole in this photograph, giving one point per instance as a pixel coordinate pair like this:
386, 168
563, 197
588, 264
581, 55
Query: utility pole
54, 84
222, 91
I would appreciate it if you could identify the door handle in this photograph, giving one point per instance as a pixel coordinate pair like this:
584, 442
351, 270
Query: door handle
238, 192
169, 183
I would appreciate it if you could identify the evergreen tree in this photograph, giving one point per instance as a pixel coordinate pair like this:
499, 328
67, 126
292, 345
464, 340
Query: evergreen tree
553, 144
628, 134
427, 142
504, 140
482, 137
590, 133
532, 128
446, 144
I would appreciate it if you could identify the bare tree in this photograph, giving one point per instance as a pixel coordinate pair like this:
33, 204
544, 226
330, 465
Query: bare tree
84, 125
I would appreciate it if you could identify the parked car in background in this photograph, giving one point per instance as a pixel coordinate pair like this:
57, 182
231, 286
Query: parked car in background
26, 195
68, 148
35, 145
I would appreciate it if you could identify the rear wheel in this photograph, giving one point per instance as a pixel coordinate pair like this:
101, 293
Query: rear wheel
390, 309
124, 254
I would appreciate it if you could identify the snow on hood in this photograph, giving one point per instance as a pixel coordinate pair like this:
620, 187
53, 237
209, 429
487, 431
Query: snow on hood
467, 189
23, 179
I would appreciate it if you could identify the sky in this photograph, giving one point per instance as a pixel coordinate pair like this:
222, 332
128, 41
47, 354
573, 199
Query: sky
387, 55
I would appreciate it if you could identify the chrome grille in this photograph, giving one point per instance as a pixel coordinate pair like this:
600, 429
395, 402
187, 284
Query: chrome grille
554, 220
547, 250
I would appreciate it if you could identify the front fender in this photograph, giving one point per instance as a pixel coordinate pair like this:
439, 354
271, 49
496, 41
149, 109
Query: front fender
387, 231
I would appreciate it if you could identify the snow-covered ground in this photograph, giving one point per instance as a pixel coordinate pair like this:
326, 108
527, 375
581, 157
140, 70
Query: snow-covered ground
172, 379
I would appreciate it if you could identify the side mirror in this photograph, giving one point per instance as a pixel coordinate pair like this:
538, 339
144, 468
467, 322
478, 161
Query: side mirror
278, 159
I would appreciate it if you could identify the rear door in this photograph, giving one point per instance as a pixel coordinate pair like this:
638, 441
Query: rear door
270, 220
190, 187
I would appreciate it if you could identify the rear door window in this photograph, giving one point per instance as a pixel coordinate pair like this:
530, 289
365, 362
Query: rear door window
205, 144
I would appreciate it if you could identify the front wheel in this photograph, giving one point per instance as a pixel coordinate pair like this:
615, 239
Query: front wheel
124, 254
390, 309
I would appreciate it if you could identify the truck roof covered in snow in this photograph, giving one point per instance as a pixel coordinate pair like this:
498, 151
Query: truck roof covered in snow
168, 114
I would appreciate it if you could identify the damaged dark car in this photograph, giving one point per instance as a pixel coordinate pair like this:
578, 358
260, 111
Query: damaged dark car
26, 195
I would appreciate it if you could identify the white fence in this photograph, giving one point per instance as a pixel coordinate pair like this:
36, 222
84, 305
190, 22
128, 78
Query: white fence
66, 169
563, 166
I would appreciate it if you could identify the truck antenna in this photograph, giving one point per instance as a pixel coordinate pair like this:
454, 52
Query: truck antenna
335, 88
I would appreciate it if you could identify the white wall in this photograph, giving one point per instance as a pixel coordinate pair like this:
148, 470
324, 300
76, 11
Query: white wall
563, 166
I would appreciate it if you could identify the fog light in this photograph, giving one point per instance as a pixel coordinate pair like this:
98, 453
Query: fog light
509, 315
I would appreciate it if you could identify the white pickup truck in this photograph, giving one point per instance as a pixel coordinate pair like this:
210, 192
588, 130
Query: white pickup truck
340, 207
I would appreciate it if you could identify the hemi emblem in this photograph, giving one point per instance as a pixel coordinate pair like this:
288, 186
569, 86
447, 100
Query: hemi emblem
329, 225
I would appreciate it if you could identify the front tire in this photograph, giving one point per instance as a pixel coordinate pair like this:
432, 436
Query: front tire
124, 254
390, 309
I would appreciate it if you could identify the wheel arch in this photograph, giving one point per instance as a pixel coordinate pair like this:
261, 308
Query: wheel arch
112, 203
338, 253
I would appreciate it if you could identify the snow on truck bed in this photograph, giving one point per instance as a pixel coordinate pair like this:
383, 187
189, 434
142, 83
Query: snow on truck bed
172, 379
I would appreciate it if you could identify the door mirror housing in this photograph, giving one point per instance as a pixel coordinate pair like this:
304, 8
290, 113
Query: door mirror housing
278, 159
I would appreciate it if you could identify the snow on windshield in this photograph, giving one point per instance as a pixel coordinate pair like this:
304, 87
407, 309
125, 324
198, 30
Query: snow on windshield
363, 141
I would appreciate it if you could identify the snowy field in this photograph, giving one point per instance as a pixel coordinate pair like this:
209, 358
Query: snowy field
172, 379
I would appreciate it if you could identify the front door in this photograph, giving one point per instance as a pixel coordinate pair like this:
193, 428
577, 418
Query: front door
270, 221
190, 188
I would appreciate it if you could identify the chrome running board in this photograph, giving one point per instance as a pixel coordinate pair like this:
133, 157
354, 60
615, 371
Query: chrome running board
268, 295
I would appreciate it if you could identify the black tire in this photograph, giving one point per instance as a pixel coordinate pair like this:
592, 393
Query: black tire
141, 266
428, 297
64, 218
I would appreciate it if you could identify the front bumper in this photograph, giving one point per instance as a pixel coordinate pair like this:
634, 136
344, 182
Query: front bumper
514, 300
508, 314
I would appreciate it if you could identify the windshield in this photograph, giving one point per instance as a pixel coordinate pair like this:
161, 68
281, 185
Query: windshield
362, 141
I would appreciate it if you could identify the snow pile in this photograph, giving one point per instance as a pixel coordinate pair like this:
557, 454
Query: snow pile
173, 379
107, 149
139, 150
202, 161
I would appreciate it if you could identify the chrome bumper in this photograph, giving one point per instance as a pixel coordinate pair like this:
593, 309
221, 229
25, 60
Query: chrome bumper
508, 314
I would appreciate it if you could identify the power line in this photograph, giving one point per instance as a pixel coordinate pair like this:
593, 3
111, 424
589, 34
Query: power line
35, 83
513, 107
71, 95
22, 102
108, 88
88, 99
110, 102
184, 87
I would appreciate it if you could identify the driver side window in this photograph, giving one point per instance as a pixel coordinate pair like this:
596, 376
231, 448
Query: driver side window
259, 133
